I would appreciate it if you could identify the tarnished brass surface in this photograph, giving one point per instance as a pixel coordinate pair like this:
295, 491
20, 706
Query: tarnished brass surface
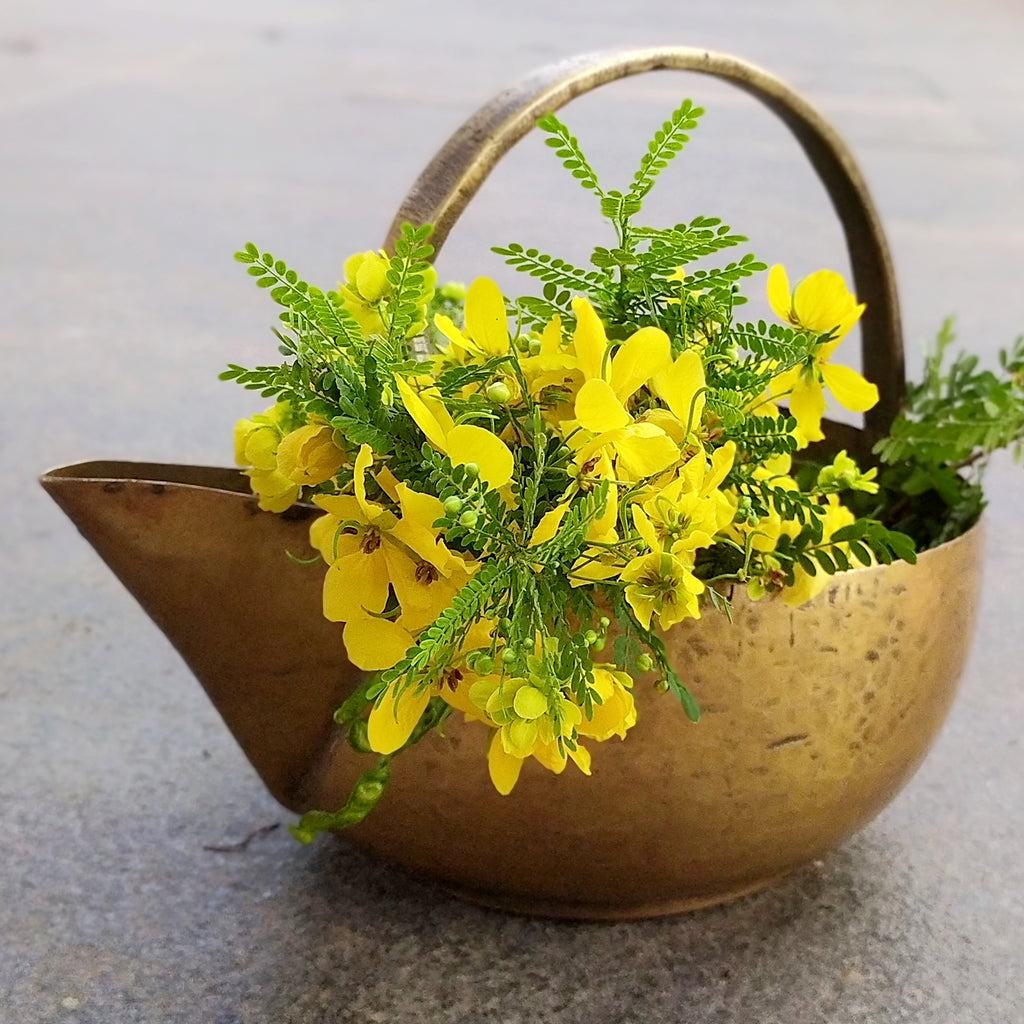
813, 717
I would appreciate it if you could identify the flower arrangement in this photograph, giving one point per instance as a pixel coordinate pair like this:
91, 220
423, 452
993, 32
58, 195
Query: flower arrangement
520, 495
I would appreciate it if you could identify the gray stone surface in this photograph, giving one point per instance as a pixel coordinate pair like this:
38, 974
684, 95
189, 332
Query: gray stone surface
141, 144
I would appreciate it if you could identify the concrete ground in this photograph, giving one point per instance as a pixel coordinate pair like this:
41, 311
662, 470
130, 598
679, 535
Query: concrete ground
141, 145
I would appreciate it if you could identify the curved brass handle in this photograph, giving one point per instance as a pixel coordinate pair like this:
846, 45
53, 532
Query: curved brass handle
450, 180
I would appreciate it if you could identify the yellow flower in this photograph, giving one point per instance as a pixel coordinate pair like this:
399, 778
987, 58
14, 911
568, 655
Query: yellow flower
662, 583
615, 712
366, 290
688, 512
398, 709
256, 445
310, 455
528, 723
821, 303
486, 325
639, 448
370, 550
365, 285
462, 443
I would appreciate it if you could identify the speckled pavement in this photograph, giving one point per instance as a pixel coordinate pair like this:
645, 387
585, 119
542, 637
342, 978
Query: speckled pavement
140, 145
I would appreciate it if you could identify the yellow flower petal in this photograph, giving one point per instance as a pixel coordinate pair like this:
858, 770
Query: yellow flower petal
373, 644
589, 339
486, 322
276, 492
807, 404
529, 702
548, 525
721, 462
325, 536
646, 528
428, 411
371, 276
851, 390
681, 385
355, 584
598, 409
779, 296
445, 325
468, 443
822, 302
638, 359
580, 757
392, 720
783, 383
504, 768
643, 450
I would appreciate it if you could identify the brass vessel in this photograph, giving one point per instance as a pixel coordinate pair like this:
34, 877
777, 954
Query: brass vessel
813, 717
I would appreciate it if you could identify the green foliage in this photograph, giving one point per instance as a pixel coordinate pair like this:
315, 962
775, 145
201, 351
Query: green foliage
667, 142
935, 455
551, 269
567, 149
407, 275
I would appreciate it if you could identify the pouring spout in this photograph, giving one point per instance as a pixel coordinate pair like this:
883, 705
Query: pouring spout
226, 583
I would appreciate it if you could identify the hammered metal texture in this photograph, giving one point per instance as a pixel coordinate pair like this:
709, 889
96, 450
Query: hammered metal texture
813, 717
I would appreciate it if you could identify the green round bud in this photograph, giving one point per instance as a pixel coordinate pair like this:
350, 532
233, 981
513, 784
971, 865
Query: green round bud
468, 519
644, 662
509, 655
661, 686
484, 664
534, 347
604, 622
498, 392
453, 505
591, 637
470, 470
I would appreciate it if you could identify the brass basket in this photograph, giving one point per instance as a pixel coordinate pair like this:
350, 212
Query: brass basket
813, 717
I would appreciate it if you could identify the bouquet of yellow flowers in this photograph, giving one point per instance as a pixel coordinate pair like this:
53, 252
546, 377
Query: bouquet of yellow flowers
519, 495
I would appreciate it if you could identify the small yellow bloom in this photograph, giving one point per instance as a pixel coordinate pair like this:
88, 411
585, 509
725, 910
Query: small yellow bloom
615, 715
528, 723
486, 331
366, 291
398, 709
310, 455
370, 550
462, 443
662, 583
257, 441
821, 303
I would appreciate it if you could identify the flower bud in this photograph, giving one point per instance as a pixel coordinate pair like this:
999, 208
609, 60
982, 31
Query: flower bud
453, 505
498, 392
468, 519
